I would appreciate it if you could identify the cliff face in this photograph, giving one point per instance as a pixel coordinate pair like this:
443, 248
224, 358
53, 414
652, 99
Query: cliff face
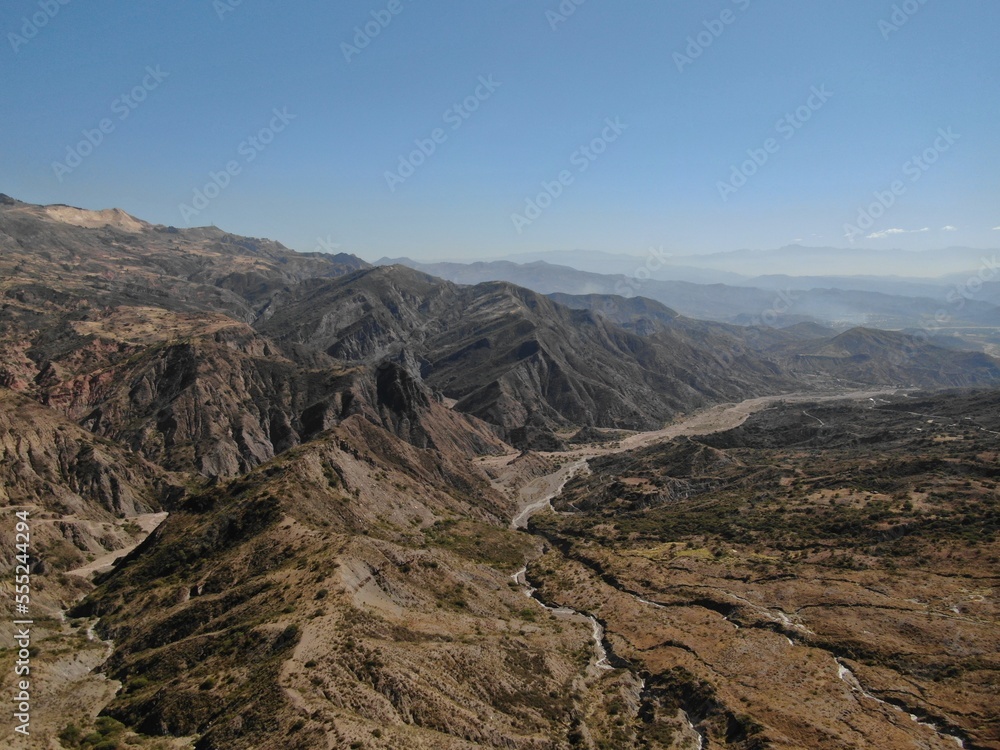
212, 353
51, 463
206, 394
520, 360
510, 356
81, 492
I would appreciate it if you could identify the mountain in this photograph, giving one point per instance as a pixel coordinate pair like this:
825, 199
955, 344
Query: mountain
211, 353
863, 354
81, 490
109, 258
799, 260
511, 356
162, 358
798, 301
661, 266
333, 592
743, 267
710, 302
932, 288
806, 352
291, 492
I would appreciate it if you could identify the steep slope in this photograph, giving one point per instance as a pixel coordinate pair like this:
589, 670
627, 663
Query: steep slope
81, 315
111, 258
143, 340
739, 303
511, 356
707, 301
338, 567
807, 352
81, 491
353, 590
50, 462
208, 395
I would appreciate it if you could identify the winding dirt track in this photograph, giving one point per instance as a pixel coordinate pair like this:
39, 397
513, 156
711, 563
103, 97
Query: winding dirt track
67, 685
538, 493
148, 522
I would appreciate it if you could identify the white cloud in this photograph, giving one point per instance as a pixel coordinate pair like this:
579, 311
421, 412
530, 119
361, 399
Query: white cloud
996, 229
949, 228
895, 230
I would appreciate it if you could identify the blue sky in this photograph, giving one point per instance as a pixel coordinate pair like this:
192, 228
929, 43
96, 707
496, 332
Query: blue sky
651, 123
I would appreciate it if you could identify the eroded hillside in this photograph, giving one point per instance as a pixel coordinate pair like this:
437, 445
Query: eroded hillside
288, 489
827, 572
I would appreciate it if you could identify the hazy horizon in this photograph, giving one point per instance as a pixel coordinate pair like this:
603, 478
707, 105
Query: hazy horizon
708, 460
428, 130
794, 260
821, 262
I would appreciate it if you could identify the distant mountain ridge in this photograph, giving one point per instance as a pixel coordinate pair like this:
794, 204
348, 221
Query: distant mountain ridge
168, 309
792, 260
330, 456
779, 305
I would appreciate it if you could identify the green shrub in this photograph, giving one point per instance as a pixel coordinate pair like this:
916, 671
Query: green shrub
70, 735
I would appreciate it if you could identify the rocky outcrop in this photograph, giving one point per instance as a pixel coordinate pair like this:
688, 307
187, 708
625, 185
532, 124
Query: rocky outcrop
508, 355
213, 398
48, 462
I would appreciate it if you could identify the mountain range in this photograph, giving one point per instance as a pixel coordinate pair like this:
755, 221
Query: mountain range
962, 307
287, 490
746, 267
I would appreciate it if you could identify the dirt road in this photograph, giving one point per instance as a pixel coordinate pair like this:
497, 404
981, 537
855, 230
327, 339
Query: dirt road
539, 492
